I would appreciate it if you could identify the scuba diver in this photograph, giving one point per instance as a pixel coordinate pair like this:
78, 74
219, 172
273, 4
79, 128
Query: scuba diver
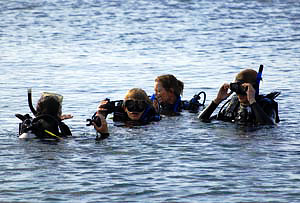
246, 106
135, 109
47, 122
167, 97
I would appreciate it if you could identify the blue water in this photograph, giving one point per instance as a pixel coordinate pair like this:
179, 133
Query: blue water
88, 50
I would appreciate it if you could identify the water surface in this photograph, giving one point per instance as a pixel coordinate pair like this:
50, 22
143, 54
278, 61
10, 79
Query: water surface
88, 50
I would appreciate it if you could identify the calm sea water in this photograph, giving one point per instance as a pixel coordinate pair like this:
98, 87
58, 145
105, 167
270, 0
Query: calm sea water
88, 50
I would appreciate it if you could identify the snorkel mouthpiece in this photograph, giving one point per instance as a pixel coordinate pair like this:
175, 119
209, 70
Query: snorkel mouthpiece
258, 79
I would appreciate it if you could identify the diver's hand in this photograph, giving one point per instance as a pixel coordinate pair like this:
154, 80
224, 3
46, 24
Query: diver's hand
66, 116
250, 92
101, 109
156, 106
103, 128
223, 93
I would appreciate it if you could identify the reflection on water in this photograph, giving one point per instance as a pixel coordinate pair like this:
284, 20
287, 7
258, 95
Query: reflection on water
88, 50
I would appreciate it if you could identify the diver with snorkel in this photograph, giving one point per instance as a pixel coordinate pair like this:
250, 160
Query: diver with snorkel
47, 122
246, 106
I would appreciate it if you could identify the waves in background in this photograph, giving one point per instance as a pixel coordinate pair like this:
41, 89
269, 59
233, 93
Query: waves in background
90, 50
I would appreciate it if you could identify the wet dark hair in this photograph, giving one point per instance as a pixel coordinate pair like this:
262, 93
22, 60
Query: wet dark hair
247, 75
170, 81
49, 105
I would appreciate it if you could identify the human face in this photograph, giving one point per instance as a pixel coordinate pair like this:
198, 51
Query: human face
161, 93
134, 108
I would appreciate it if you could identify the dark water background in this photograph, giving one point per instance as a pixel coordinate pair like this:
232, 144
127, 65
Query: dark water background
88, 50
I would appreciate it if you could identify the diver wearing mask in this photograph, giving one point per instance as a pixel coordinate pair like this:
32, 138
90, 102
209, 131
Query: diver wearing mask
47, 122
135, 109
246, 106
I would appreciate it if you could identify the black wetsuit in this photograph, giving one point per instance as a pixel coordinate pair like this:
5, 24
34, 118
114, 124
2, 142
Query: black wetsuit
44, 126
262, 112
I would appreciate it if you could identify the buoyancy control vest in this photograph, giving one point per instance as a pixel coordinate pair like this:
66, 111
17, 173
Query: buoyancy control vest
191, 105
43, 126
233, 111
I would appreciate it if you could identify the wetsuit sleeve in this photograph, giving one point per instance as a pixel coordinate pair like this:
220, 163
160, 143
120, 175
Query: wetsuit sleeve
263, 117
65, 130
206, 113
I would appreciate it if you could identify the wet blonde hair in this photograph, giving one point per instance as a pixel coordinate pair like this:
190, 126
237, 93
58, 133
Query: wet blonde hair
170, 81
137, 94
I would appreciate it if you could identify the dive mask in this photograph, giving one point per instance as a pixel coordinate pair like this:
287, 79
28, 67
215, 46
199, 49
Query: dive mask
135, 105
238, 88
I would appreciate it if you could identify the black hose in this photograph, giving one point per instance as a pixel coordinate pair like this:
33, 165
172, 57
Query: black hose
204, 99
30, 102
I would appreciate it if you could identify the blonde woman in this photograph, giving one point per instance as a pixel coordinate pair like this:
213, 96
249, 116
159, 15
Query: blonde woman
136, 109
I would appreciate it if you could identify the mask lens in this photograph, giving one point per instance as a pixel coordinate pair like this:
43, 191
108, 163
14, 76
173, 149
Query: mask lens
141, 105
129, 104
135, 106
237, 88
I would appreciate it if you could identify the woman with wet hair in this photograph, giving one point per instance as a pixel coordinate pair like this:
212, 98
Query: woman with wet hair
167, 97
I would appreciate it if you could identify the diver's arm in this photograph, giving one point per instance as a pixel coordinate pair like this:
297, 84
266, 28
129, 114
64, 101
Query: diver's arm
261, 116
206, 113
65, 130
222, 94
